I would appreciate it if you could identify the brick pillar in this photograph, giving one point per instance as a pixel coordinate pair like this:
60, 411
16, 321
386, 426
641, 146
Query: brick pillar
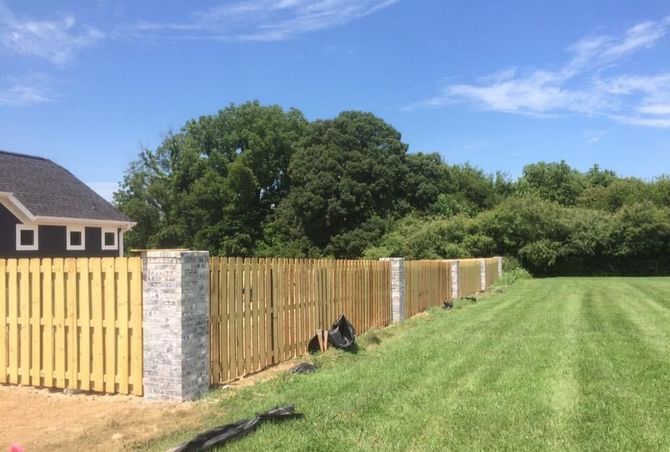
455, 268
176, 324
482, 274
397, 288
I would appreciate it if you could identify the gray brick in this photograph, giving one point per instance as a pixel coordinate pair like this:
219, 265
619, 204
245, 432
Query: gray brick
398, 312
176, 324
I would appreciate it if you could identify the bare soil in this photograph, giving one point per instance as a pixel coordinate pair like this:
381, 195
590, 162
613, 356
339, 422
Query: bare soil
46, 420
39, 419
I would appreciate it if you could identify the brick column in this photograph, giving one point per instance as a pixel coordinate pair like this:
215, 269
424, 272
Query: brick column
455, 268
176, 324
482, 274
397, 288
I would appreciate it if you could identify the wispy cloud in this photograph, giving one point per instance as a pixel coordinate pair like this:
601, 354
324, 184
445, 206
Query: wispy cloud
55, 40
266, 20
58, 39
579, 86
593, 136
29, 90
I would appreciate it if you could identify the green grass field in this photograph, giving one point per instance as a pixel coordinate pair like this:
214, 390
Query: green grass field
565, 363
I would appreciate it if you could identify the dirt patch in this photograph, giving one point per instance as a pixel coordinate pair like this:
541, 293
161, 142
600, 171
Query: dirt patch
265, 374
38, 419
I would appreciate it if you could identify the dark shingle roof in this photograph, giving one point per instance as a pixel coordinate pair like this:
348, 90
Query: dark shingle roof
47, 189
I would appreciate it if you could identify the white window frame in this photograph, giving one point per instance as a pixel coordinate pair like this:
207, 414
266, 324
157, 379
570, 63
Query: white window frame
116, 239
80, 229
26, 227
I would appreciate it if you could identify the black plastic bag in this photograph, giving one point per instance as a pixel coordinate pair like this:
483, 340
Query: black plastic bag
303, 368
342, 334
218, 436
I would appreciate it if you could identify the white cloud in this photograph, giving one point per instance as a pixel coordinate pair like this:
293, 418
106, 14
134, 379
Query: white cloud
29, 90
594, 136
55, 40
267, 20
576, 87
655, 109
663, 122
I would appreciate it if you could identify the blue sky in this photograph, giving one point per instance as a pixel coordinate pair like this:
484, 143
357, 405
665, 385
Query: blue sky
498, 84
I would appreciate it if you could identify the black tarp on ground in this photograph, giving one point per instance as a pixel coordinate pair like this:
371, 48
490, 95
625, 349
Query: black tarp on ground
302, 368
219, 436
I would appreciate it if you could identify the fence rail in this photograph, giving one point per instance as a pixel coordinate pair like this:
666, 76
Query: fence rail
72, 323
264, 311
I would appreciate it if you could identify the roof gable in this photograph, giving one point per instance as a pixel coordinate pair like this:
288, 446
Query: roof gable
49, 190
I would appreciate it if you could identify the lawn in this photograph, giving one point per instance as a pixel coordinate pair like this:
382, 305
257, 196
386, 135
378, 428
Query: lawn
565, 363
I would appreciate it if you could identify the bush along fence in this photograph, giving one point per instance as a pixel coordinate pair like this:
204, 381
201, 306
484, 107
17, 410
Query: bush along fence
170, 324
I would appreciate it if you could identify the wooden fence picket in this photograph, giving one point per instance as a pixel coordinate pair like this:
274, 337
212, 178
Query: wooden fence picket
72, 323
469, 277
265, 311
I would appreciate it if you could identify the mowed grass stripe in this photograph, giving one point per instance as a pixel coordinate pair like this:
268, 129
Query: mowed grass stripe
620, 375
651, 320
451, 375
550, 364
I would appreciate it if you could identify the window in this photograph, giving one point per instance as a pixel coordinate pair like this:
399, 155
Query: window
76, 238
109, 239
26, 238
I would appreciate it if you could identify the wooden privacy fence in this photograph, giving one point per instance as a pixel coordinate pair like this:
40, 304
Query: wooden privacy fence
469, 274
78, 323
491, 265
72, 323
264, 311
427, 283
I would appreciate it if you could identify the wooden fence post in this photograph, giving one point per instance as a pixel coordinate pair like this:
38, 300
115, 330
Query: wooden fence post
398, 309
500, 263
176, 324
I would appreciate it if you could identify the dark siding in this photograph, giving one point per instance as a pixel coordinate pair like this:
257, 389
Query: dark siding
8, 224
52, 241
93, 240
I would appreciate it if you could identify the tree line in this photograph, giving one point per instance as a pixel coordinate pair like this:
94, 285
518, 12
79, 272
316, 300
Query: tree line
256, 180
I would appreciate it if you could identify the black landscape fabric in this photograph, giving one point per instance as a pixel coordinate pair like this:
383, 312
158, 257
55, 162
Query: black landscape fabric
219, 436
342, 334
303, 368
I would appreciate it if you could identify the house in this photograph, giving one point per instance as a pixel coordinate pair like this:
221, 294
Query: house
45, 211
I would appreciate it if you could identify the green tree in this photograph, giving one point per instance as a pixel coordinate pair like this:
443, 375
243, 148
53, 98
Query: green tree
553, 181
346, 178
615, 194
214, 184
426, 179
598, 177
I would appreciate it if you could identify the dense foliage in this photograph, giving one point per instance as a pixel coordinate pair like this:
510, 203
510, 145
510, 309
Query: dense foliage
257, 180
